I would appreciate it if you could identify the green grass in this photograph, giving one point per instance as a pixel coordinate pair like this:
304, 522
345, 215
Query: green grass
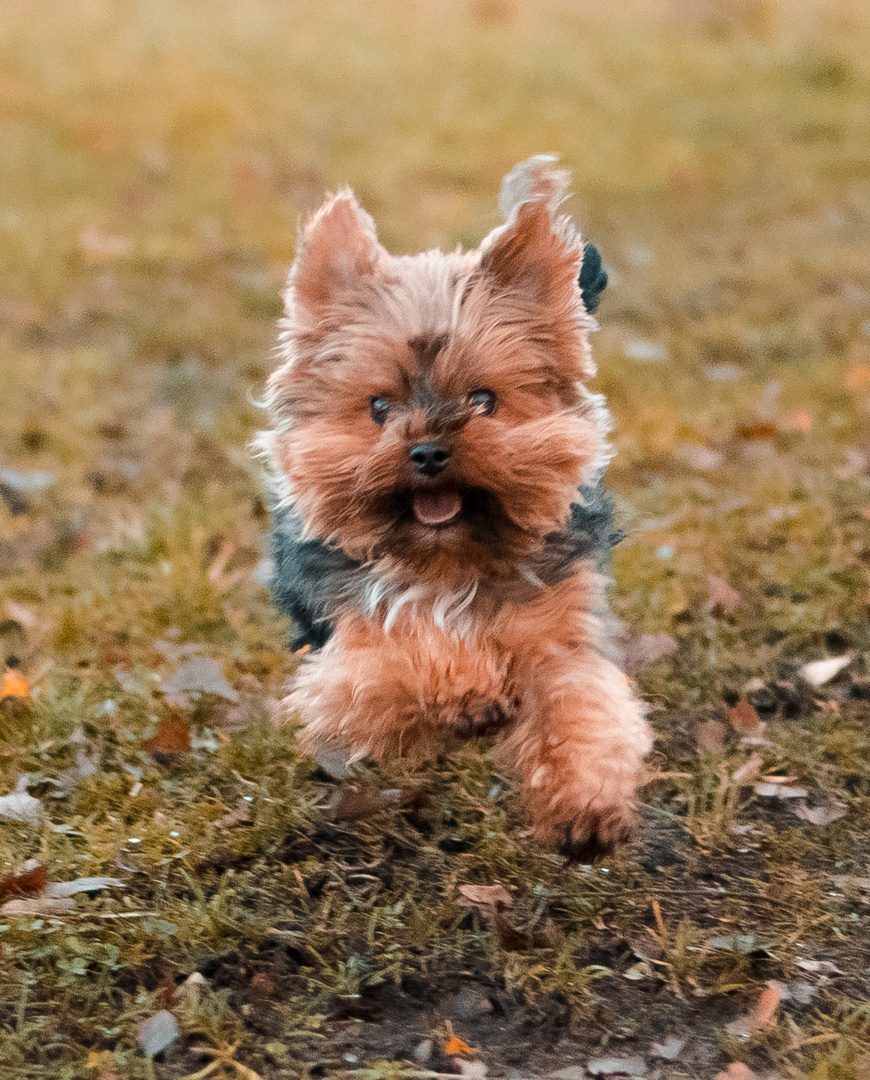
157, 158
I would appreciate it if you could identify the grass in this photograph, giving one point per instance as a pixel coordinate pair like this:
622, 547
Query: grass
157, 159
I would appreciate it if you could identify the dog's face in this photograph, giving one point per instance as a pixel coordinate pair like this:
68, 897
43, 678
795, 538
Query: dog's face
431, 407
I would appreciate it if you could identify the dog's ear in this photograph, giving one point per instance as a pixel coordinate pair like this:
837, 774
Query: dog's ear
535, 253
339, 248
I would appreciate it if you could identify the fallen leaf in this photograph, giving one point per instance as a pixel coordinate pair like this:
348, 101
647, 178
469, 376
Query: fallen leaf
197, 676
486, 895
759, 432
710, 736
736, 1071
669, 1050
744, 718
14, 685
645, 649
818, 967
819, 672
818, 815
82, 884
28, 884
770, 790
171, 738
722, 599
19, 806
618, 1066
545, 935
455, 1045
761, 1016
157, 1032
39, 905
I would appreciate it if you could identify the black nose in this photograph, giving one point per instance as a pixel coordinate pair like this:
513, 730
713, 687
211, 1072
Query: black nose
429, 458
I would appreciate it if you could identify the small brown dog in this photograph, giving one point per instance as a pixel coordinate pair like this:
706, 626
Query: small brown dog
440, 519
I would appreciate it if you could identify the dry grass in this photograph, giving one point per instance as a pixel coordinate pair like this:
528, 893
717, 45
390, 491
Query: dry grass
156, 159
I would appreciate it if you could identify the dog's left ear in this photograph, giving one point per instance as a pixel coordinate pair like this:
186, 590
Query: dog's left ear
535, 253
338, 249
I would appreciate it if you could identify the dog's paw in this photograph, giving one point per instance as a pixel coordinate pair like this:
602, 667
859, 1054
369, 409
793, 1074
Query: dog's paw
595, 834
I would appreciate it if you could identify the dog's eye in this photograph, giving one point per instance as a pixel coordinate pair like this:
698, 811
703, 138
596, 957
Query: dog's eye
379, 407
482, 401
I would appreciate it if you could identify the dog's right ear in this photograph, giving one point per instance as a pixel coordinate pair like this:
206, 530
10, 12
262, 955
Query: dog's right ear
338, 249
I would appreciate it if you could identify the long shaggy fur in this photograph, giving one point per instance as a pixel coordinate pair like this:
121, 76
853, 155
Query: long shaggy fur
440, 525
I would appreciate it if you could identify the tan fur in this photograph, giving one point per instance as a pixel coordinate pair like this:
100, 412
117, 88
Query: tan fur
453, 633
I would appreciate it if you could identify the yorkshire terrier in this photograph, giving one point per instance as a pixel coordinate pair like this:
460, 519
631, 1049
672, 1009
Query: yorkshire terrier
440, 524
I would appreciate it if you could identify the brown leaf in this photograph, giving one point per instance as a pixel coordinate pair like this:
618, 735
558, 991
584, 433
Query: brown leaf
761, 1016
710, 736
30, 884
759, 432
744, 719
485, 896
544, 936
722, 599
171, 738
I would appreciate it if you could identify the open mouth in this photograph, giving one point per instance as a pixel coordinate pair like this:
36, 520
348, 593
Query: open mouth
437, 507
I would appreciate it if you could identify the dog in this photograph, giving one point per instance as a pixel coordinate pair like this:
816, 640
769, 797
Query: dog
441, 530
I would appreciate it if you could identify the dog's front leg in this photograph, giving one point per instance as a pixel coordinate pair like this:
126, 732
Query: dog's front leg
578, 747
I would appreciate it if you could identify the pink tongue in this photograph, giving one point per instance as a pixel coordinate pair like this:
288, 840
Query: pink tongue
436, 507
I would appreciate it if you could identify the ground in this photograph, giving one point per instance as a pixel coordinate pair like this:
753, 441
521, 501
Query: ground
260, 919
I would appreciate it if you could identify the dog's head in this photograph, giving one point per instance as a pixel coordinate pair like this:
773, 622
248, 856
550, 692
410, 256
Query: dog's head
433, 407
